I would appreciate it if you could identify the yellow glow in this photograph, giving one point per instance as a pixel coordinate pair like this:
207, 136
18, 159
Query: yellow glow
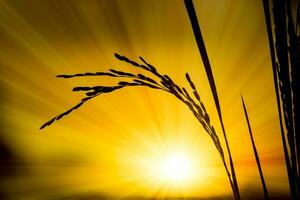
122, 143
176, 167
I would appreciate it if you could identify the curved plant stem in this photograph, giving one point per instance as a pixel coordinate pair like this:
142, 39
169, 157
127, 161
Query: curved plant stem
201, 46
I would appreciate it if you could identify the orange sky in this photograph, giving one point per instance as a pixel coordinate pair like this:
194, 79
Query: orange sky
111, 144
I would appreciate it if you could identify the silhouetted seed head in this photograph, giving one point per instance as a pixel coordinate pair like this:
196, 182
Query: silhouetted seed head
89, 74
150, 67
121, 73
141, 76
186, 93
197, 95
207, 119
203, 107
78, 105
133, 63
82, 89
118, 56
86, 99
92, 93
145, 67
110, 89
200, 111
166, 84
123, 83
125, 59
190, 81
98, 87
145, 84
105, 73
64, 76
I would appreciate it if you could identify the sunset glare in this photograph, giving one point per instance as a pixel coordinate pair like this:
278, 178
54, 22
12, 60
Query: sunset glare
140, 129
176, 167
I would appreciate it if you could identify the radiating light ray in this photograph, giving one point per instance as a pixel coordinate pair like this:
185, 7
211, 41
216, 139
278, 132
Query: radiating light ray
107, 146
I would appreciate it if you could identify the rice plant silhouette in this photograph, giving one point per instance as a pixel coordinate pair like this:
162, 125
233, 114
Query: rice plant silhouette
285, 62
285, 51
166, 84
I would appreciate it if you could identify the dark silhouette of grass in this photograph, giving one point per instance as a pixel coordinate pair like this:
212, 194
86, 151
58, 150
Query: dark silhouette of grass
255, 152
279, 10
168, 85
275, 78
286, 64
165, 83
201, 46
295, 84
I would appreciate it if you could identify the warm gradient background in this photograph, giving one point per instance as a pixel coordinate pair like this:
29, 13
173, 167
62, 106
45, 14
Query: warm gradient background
111, 145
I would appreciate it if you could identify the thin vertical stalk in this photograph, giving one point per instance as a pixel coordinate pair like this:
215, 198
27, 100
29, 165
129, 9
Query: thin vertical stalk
255, 152
295, 84
279, 10
298, 19
201, 46
275, 79
284, 73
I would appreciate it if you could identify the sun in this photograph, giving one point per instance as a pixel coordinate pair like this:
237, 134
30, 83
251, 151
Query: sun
176, 167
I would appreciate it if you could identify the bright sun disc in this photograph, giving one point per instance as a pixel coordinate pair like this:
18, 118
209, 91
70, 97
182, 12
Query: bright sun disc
176, 167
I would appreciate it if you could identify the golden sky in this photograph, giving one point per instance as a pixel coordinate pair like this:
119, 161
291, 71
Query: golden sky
112, 144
